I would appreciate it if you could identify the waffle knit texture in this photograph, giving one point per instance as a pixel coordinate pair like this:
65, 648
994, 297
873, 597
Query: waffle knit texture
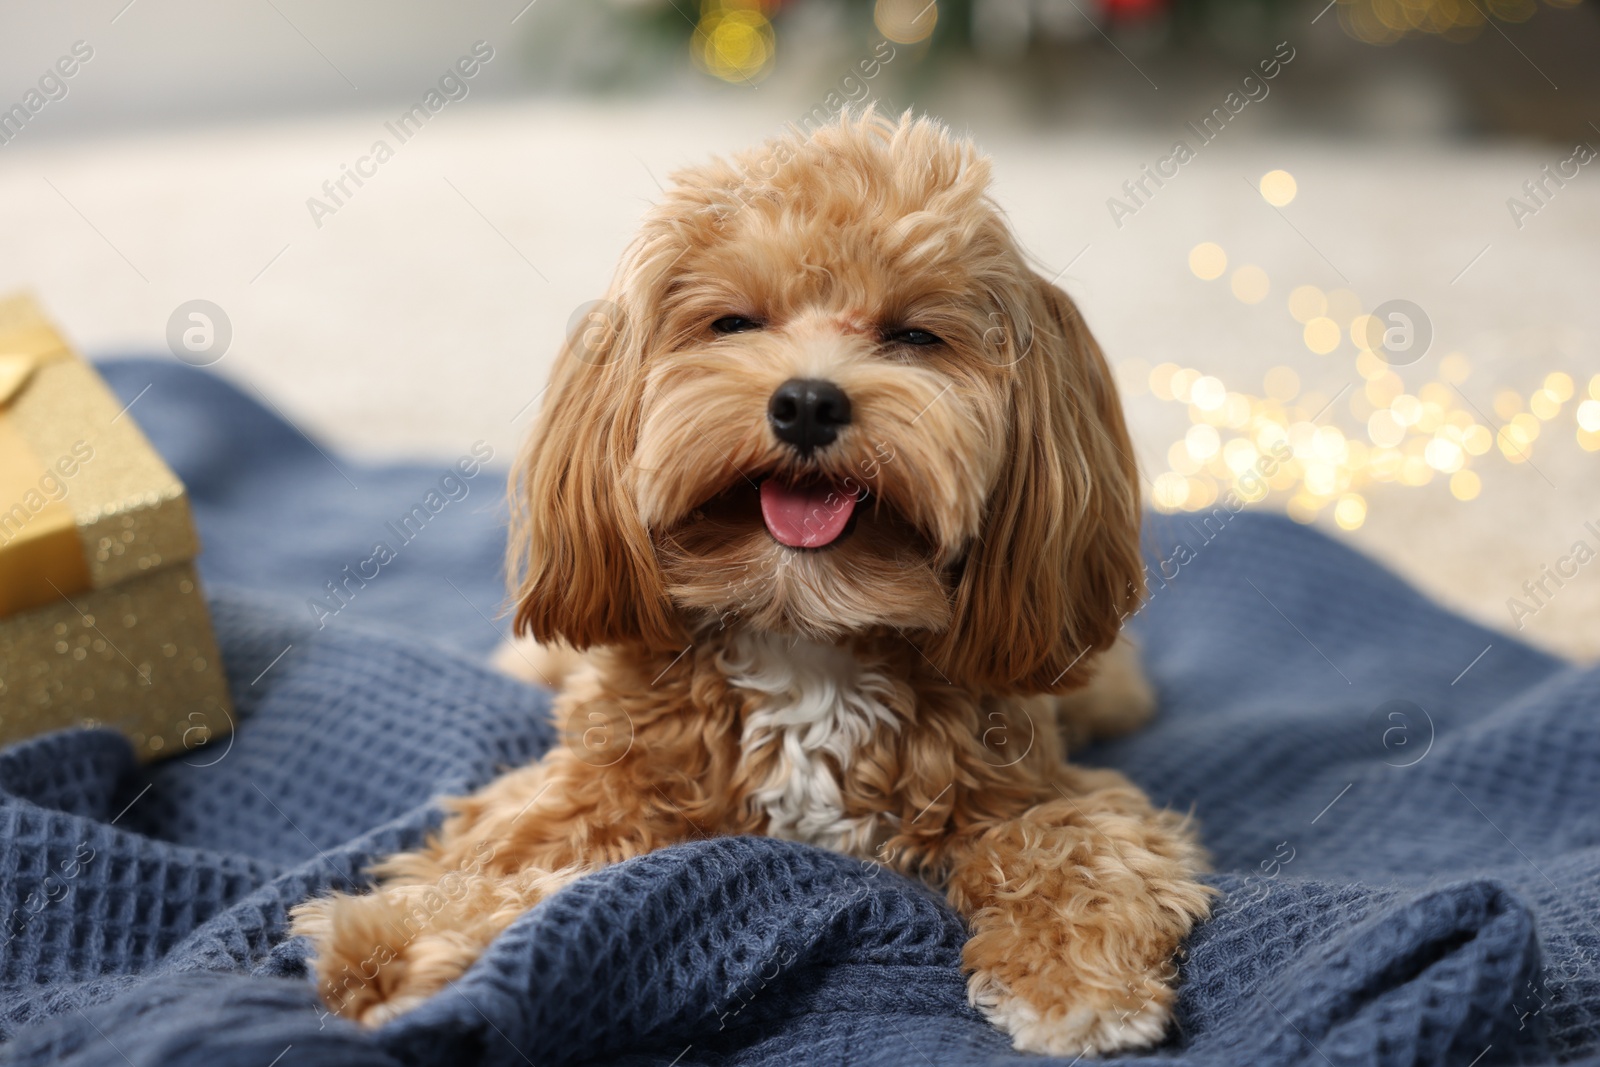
1420, 889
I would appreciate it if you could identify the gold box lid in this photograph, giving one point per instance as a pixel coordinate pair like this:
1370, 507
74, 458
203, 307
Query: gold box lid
85, 501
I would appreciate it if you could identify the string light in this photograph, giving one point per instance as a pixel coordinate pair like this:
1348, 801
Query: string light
1260, 445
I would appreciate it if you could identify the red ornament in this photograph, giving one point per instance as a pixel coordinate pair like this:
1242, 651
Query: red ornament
1132, 10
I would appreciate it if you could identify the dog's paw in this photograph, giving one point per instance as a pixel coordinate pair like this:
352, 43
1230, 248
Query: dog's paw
372, 962
1091, 1022
379, 955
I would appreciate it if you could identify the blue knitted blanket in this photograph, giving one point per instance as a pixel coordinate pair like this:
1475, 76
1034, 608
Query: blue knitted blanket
1402, 807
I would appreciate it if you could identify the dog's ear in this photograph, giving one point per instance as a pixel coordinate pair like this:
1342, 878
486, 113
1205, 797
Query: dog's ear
579, 559
1056, 565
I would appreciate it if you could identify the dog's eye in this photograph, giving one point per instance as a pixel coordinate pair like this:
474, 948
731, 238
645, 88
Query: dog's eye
734, 324
912, 337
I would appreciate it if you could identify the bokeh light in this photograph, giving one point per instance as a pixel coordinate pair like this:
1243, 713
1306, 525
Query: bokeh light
1384, 22
1307, 302
1250, 284
1322, 335
1350, 512
1454, 368
1278, 187
1208, 393
1589, 416
1208, 261
1465, 485
906, 21
1415, 434
733, 40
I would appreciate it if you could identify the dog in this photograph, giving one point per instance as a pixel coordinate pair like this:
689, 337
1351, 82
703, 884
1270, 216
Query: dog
826, 526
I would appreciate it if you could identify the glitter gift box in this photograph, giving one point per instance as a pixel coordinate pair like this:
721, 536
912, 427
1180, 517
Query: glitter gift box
102, 621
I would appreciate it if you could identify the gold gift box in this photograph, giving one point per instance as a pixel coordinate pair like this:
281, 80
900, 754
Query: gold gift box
102, 621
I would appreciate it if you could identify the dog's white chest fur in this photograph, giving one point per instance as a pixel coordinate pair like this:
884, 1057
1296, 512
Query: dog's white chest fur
818, 705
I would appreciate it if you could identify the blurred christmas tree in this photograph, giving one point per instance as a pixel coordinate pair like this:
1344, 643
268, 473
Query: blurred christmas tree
1453, 66
607, 43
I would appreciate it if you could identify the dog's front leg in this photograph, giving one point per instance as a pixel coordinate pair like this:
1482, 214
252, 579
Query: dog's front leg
503, 849
1077, 908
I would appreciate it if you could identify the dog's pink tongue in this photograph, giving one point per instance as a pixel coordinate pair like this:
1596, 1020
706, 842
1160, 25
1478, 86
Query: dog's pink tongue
807, 516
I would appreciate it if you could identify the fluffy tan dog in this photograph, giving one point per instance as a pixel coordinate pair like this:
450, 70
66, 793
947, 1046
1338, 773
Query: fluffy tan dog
838, 502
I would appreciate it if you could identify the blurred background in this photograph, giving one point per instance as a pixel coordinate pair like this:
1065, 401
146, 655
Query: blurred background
1361, 232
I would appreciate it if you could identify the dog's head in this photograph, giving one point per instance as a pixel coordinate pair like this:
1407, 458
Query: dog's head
827, 396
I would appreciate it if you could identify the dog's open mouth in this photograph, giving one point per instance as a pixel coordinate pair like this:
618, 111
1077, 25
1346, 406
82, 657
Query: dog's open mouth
807, 514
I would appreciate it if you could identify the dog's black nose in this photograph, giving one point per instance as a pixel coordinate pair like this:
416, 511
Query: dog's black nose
807, 412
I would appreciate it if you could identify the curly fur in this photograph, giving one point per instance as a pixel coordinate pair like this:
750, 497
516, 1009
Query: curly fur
904, 694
